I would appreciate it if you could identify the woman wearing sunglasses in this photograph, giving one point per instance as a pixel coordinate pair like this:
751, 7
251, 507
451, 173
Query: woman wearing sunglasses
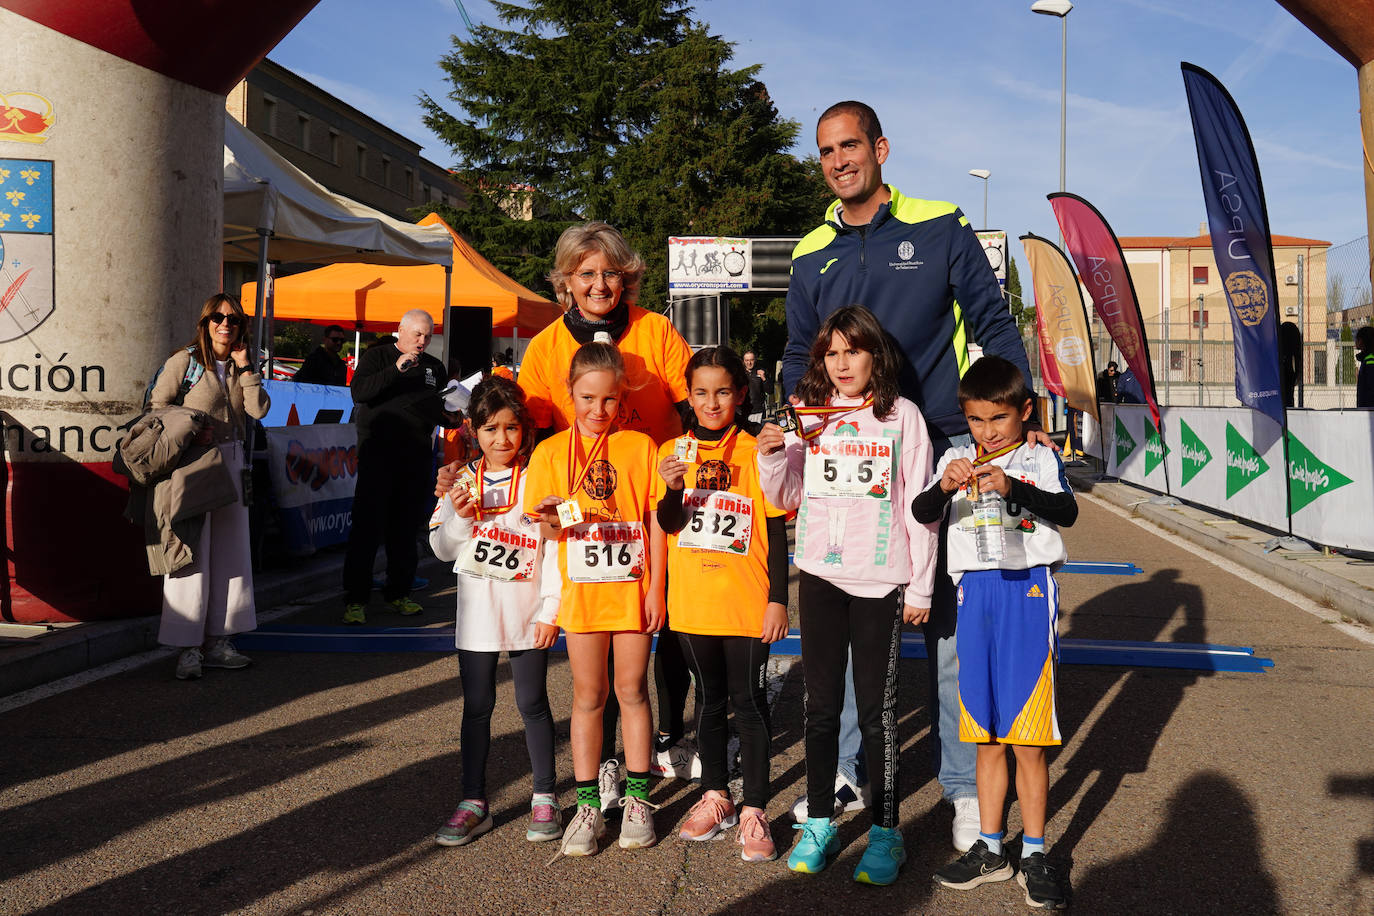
210, 600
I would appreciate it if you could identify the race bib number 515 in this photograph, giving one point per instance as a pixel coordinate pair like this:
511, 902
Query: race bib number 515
849, 467
606, 552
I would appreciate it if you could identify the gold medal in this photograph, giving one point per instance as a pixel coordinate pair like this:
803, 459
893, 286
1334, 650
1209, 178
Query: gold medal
569, 513
685, 448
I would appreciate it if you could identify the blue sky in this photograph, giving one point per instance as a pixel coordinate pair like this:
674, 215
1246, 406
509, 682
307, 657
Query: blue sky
973, 84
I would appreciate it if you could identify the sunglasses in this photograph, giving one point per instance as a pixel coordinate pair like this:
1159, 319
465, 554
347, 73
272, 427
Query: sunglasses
337, 340
219, 317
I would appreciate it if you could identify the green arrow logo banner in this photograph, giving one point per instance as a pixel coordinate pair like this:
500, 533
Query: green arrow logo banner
1155, 449
1195, 455
1243, 463
1308, 476
1124, 443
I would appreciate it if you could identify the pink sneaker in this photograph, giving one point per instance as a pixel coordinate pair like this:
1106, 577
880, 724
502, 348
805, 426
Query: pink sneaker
709, 816
756, 838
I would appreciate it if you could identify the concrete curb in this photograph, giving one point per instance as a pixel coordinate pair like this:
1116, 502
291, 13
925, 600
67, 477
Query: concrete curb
1345, 596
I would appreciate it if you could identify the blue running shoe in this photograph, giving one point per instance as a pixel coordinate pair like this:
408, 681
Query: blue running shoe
817, 846
885, 854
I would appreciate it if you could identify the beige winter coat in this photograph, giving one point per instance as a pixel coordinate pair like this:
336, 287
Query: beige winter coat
173, 483
225, 403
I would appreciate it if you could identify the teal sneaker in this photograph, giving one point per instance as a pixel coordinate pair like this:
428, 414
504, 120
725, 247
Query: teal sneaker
817, 846
884, 857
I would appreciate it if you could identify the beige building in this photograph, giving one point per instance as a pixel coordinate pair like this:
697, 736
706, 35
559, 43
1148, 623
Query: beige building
1171, 273
347, 151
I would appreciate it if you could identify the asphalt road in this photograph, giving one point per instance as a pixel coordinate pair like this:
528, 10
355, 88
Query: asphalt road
312, 783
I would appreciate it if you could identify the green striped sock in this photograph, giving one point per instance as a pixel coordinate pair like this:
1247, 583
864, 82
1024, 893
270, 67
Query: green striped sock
589, 794
637, 785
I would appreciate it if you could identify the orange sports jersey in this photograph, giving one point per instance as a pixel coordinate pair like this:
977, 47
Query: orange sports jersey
504, 372
719, 592
655, 368
614, 489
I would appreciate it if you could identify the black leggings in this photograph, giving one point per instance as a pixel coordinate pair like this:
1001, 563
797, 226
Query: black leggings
672, 681
831, 621
733, 668
478, 673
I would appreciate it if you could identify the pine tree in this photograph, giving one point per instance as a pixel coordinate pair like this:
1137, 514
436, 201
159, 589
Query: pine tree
623, 110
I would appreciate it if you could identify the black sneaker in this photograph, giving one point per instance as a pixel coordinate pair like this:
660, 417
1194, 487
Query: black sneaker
1041, 883
662, 742
977, 866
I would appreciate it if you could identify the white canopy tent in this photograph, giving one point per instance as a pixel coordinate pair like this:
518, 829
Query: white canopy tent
274, 211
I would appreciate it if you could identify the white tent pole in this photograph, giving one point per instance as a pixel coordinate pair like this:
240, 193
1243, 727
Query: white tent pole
259, 309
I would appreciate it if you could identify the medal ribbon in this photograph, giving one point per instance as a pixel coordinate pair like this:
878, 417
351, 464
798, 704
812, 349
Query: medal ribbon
598, 446
986, 457
722, 443
481, 488
826, 414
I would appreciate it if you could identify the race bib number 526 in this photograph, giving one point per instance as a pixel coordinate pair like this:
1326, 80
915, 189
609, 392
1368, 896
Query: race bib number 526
606, 552
499, 553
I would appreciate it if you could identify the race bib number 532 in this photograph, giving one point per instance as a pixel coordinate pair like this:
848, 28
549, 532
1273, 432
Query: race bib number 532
850, 467
606, 552
717, 520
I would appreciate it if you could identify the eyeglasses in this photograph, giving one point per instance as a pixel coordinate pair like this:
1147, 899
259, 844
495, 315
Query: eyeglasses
234, 320
611, 277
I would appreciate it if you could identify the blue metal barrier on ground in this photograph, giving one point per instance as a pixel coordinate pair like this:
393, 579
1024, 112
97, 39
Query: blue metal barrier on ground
1188, 656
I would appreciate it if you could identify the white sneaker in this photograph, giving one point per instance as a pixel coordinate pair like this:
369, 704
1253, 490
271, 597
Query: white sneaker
222, 654
848, 797
967, 823
637, 823
188, 664
608, 782
584, 832
680, 760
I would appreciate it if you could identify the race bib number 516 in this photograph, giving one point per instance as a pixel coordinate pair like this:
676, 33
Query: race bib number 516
606, 552
849, 467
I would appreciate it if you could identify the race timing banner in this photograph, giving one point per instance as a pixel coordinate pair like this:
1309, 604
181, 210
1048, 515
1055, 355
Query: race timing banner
1239, 224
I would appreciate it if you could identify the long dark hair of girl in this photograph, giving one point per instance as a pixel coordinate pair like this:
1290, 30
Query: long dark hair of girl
861, 329
495, 394
721, 357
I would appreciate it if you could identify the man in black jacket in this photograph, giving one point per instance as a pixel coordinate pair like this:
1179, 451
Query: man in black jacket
324, 366
396, 389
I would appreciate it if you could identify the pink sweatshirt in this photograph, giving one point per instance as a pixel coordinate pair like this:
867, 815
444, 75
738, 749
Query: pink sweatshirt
864, 545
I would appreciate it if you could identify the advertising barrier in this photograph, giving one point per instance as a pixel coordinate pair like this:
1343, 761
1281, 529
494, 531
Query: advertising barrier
1229, 459
1232, 459
1135, 451
1331, 476
308, 401
314, 470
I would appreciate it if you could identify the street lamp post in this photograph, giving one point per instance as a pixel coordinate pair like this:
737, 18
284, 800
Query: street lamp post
1061, 9
985, 175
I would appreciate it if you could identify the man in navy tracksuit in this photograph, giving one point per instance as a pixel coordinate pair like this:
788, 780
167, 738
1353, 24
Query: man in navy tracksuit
918, 266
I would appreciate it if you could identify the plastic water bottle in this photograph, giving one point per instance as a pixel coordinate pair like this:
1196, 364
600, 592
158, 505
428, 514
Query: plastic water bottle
987, 523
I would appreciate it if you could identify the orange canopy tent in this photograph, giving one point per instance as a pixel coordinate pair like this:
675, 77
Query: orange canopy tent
371, 297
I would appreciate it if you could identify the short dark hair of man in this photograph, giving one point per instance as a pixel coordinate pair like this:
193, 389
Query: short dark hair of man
1364, 338
996, 380
868, 118
332, 328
